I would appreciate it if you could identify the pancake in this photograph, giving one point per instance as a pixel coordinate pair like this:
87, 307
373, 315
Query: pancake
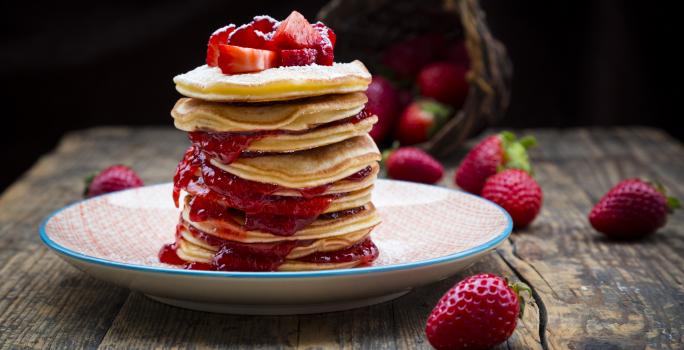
275, 84
341, 186
194, 250
282, 143
198, 250
310, 168
321, 228
191, 114
350, 200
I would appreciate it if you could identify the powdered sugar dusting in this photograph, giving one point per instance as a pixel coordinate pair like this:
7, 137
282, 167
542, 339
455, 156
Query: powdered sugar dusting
223, 29
206, 77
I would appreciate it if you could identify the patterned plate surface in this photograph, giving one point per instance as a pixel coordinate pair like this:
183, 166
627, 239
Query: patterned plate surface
428, 233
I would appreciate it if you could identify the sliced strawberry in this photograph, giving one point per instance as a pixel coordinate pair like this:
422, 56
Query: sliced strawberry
265, 24
326, 55
218, 37
234, 59
247, 36
326, 48
295, 32
298, 57
325, 32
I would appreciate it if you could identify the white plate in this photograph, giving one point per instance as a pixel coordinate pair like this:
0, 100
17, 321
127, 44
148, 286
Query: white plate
428, 233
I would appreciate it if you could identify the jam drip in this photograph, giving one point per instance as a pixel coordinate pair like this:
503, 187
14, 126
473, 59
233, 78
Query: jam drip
236, 256
215, 191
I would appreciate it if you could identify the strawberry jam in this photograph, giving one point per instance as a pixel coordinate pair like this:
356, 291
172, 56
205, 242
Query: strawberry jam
215, 190
237, 256
365, 251
168, 255
234, 256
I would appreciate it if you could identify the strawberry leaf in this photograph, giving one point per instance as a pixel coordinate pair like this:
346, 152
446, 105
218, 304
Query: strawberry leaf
515, 151
88, 180
517, 288
673, 203
439, 111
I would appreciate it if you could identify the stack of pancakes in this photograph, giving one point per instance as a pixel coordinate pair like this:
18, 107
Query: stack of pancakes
280, 171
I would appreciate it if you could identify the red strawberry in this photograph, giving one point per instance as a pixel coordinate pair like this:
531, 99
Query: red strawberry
517, 192
114, 178
326, 47
492, 154
218, 37
248, 36
632, 209
458, 53
298, 57
477, 313
413, 164
295, 32
235, 59
325, 32
406, 58
445, 82
383, 101
420, 121
264, 24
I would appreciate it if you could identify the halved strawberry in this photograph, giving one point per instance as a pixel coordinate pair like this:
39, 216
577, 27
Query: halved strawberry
298, 57
326, 47
247, 36
218, 37
325, 32
295, 32
326, 55
265, 24
235, 59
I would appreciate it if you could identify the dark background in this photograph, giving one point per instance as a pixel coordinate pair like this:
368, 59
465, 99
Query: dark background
67, 66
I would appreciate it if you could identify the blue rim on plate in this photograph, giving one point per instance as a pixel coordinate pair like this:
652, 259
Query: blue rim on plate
296, 274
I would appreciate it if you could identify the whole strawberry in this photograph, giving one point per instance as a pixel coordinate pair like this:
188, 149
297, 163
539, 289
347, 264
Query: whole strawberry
407, 57
420, 120
413, 164
111, 179
445, 82
477, 313
494, 153
517, 192
383, 101
633, 208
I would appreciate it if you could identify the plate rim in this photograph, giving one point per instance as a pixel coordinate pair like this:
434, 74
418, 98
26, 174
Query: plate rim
492, 243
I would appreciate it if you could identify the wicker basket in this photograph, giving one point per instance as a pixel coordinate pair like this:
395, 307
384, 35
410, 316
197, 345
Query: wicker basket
366, 27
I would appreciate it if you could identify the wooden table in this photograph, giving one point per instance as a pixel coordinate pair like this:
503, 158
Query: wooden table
590, 293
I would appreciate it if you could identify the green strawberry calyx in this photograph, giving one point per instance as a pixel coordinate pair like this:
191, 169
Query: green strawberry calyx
518, 288
515, 151
88, 181
439, 111
672, 202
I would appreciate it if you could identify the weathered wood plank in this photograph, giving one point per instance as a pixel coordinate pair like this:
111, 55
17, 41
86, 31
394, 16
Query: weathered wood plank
598, 293
590, 292
43, 302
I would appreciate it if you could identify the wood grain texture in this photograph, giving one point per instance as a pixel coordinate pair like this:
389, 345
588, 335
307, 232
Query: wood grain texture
590, 293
